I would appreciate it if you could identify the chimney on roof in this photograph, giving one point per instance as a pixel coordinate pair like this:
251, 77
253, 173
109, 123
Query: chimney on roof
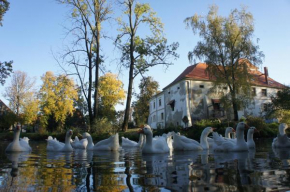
266, 74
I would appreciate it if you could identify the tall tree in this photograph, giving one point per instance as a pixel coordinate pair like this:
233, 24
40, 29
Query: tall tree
57, 95
226, 47
88, 17
148, 87
5, 67
4, 6
139, 54
5, 71
280, 105
30, 111
20, 91
111, 93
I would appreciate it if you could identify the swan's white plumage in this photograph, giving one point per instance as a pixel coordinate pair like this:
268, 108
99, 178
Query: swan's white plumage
17, 144
282, 140
110, 144
228, 145
182, 143
204, 137
55, 145
129, 143
250, 141
156, 145
79, 144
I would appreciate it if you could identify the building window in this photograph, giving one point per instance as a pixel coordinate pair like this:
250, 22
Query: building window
201, 86
178, 87
265, 107
168, 92
216, 104
172, 104
177, 123
264, 92
162, 116
253, 91
225, 88
154, 105
159, 102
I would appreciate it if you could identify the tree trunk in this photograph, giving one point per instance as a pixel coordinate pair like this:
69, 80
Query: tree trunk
235, 107
131, 72
129, 97
97, 62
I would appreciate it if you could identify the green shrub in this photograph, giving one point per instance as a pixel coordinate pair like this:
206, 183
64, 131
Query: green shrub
102, 126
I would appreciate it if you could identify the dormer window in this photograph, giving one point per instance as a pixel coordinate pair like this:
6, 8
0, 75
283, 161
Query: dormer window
201, 86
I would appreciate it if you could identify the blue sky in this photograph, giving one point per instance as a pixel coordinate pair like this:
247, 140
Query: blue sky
33, 29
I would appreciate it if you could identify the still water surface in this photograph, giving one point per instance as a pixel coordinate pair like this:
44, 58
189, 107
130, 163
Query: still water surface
129, 170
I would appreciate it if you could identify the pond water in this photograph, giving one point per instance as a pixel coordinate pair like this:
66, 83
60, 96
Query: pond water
129, 170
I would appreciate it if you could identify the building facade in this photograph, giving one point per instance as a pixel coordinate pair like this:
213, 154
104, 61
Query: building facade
189, 98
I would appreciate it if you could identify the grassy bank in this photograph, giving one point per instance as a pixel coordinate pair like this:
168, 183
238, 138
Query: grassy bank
8, 136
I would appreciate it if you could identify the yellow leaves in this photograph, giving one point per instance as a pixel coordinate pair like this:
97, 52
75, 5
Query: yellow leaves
111, 90
57, 96
141, 9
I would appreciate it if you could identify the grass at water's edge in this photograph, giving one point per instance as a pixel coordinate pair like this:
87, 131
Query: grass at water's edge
8, 136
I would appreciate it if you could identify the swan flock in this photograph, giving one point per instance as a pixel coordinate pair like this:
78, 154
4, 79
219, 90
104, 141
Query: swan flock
148, 143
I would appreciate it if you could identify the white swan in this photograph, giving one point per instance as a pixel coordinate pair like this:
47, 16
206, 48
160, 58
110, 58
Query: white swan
55, 145
110, 144
219, 139
129, 143
79, 144
182, 143
250, 141
18, 144
203, 138
151, 145
281, 141
227, 145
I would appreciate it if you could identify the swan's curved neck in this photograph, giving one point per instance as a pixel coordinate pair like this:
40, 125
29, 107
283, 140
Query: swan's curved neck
67, 139
16, 136
228, 134
282, 130
149, 139
240, 136
203, 140
250, 136
90, 141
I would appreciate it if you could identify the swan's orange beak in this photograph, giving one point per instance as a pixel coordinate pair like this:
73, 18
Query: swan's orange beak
234, 130
140, 130
70, 132
18, 127
213, 128
247, 126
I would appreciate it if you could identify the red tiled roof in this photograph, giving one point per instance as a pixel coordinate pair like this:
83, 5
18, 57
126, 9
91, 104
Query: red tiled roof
198, 72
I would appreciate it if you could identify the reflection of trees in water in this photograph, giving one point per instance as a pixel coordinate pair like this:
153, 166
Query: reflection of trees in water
134, 171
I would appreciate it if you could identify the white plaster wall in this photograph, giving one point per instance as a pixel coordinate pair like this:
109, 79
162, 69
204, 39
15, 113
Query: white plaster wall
256, 109
155, 113
175, 92
193, 101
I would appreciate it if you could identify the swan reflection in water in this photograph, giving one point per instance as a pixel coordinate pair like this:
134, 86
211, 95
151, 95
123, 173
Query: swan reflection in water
16, 158
284, 155
228, 161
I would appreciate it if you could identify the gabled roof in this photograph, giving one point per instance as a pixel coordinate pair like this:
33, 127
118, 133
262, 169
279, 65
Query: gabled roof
198, 72
3, 107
